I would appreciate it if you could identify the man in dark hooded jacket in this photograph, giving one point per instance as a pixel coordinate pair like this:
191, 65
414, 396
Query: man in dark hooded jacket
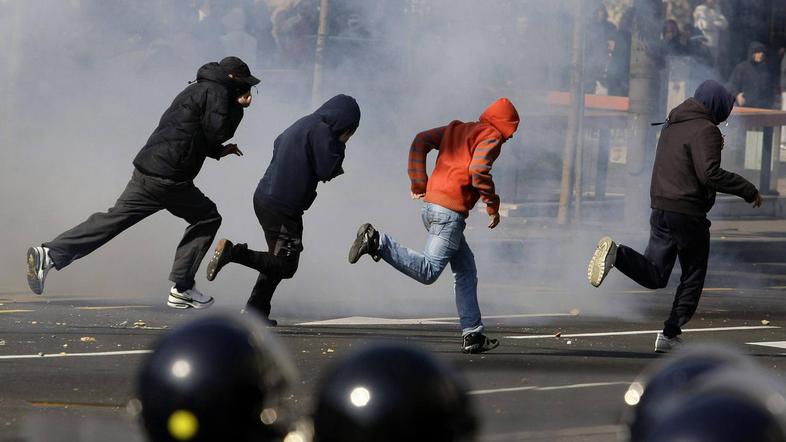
686, 175
309, 151
202, 117
751, 81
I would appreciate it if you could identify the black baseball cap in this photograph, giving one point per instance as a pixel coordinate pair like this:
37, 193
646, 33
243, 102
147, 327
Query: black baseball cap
239, 69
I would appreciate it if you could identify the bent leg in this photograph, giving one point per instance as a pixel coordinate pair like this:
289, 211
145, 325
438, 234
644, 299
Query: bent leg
651, 270
189, 203
133, 205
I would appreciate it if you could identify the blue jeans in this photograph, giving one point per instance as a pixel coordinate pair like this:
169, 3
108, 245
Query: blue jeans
445, 244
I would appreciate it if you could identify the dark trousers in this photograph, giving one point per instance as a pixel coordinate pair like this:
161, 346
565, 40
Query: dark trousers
284, 236
145, 195
672, 235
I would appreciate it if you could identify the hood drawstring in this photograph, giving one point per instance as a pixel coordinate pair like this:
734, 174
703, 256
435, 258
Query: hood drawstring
664, 123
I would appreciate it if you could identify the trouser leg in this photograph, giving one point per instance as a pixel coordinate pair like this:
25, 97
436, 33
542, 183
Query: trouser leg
651, 270
465, 288
185, 201
133, 205
693, 239
284, 240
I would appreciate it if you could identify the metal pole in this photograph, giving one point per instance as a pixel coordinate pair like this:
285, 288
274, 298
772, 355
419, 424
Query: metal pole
766, 162
644, 96
319, 55
575, 112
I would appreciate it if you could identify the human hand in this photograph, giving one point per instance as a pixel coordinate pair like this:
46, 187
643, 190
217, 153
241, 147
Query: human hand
493, 220
416, 196
757, 200
230, 149
741, 99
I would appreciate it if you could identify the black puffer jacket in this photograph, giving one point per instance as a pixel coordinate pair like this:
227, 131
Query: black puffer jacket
687, 170
307, 152
198, 121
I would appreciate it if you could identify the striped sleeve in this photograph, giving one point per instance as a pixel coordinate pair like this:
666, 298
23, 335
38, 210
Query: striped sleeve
486, 151
423, 143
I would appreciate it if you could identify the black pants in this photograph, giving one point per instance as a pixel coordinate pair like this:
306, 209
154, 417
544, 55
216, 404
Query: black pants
284, 236
145, 195
672, 235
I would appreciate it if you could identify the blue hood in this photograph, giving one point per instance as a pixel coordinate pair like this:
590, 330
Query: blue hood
718, 101
341, 113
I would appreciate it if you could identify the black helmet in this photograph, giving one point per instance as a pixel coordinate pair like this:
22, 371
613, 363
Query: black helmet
216, 378
729, 405
663, 385
392, 392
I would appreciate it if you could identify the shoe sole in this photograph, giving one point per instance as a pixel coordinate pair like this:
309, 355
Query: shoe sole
33, 265
355, 251
180, 303
599, 266
215, 264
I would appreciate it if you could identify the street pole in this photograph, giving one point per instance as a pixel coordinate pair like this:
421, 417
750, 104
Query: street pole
319, 55
645, 79
576, 111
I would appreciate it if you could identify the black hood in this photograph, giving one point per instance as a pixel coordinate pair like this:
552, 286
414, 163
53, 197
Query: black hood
756, 47
716, 100
213, 72
341, 113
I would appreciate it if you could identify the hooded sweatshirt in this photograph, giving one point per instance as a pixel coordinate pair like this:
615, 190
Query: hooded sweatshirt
687, 171
462, 173
307, 152
198, 121
754, 80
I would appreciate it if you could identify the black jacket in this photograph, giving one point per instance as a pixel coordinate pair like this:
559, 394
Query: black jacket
198, 121
754, 80
687, 170
307, 152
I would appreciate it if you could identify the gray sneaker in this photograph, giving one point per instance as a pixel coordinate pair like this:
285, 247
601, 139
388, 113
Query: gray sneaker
666, 345
191, 298
602, 261
38, 265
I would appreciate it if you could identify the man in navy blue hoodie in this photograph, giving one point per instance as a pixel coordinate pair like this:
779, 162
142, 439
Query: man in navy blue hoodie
309, 151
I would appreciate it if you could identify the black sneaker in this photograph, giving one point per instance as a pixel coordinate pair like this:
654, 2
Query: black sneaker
266, 320
366, 243
478, 343
221, 257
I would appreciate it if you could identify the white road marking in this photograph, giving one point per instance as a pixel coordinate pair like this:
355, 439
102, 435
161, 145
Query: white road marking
551, 388
113, 307
776, 344
641, 332
68, 355
366, 320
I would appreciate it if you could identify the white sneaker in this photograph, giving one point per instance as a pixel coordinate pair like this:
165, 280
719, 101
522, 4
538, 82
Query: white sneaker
665, 345
602, 261
38, 265
191, 298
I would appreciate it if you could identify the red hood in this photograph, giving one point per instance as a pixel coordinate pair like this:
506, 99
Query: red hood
503, 116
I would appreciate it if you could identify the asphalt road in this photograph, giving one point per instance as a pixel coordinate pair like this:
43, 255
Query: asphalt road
535, 386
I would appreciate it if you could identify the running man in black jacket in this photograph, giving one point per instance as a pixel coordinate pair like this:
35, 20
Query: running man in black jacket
686, 175
309, 151
199, 120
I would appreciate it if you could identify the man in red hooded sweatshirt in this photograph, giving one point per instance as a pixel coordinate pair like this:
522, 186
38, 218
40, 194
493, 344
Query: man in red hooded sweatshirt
462, 175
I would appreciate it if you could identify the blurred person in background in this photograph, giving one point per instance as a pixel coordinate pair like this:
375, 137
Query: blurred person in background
751, 81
